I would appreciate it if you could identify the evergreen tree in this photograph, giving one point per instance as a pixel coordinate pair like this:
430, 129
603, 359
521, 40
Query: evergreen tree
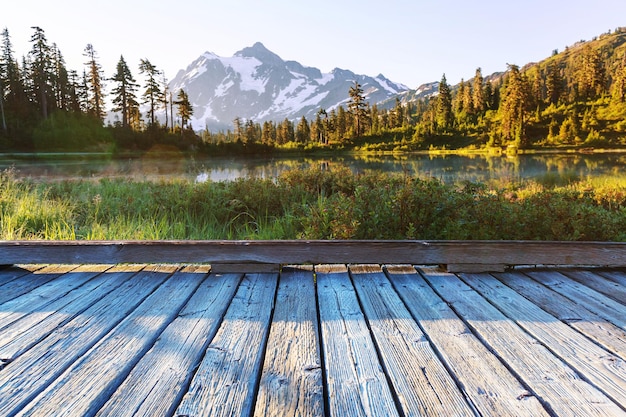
591, 74
185, 110
358, 108
40, 70
515, 105
444, 116
619, 80
152, 94
554, 83
479, 101
94, 83
61, 81
303, 131
124, 93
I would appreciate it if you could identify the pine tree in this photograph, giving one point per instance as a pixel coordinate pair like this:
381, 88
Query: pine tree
515, 106
358, 108
94, 83
61, 81
185, 110
554, 83
479, 100
444, 115
591, 74
40, 70
619, 80
303, 131
152, 94
124, 93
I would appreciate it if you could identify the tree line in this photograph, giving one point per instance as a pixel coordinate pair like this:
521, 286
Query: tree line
40, 94
573, 98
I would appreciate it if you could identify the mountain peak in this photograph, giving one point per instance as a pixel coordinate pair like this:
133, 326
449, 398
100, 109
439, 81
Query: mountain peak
260, 52
256, 84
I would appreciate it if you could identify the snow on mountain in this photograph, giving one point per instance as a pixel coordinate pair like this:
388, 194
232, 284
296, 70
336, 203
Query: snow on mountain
256, 84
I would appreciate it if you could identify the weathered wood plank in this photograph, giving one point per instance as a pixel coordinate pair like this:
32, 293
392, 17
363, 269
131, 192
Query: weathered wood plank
592, 300
577, 316
76, 392
605, 286
603, 369
615, 276
20, 335
34, 280
226, 381
29, 374
488, 384
40, 297
357, 385
316, 252
14, 272
545, 374
407, 356
229, 268
156, 384
291, 383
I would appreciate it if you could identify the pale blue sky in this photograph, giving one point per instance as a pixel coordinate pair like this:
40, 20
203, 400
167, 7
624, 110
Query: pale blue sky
409, 41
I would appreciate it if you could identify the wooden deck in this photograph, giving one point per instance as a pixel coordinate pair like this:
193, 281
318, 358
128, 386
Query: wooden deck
329, 340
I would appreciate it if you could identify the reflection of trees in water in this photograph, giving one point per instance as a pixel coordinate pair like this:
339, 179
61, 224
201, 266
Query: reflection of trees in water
447, 168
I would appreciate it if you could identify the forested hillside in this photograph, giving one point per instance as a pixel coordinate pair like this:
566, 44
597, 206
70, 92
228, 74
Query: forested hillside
576, 97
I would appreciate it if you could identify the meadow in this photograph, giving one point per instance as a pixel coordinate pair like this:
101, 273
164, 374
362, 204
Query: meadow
314, 204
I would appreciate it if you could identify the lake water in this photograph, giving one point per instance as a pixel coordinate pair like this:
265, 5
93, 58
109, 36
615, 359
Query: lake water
448, 168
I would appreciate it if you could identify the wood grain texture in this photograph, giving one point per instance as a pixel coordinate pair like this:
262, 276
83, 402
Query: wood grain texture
357, 385
76, 392
317, 252
486, 382
225, 384
45, 294
407, 356
291, 383
157, 383
592, 300
575, 315
544, 374
30, 373
31, 281
595, 364
605, 286
22, 334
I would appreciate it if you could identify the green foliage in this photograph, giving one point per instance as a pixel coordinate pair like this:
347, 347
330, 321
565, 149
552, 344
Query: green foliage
71, 132
314, 204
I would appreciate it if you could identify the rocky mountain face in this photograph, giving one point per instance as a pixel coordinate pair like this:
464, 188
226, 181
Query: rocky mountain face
256, 84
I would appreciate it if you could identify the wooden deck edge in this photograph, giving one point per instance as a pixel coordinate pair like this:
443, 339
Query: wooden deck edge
507, 253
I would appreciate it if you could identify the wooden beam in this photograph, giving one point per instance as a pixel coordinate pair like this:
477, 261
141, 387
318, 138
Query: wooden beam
316, 252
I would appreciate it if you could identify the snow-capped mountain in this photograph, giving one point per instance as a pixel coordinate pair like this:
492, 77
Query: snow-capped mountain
256, 84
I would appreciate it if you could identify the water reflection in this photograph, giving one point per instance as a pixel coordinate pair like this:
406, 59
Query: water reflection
447, 168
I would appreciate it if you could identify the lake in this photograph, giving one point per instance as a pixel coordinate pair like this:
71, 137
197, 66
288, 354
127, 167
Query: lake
448, 168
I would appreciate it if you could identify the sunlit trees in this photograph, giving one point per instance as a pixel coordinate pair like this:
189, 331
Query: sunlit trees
516, 102
591, 74
444, 116
358, 108
94, 83
185, 110
153, 95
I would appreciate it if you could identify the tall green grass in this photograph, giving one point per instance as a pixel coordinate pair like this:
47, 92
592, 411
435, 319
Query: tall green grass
313, 204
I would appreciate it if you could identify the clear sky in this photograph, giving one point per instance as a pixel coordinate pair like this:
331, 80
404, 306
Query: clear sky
408, 41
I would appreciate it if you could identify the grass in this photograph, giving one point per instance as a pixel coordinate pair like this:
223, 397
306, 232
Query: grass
315, 204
